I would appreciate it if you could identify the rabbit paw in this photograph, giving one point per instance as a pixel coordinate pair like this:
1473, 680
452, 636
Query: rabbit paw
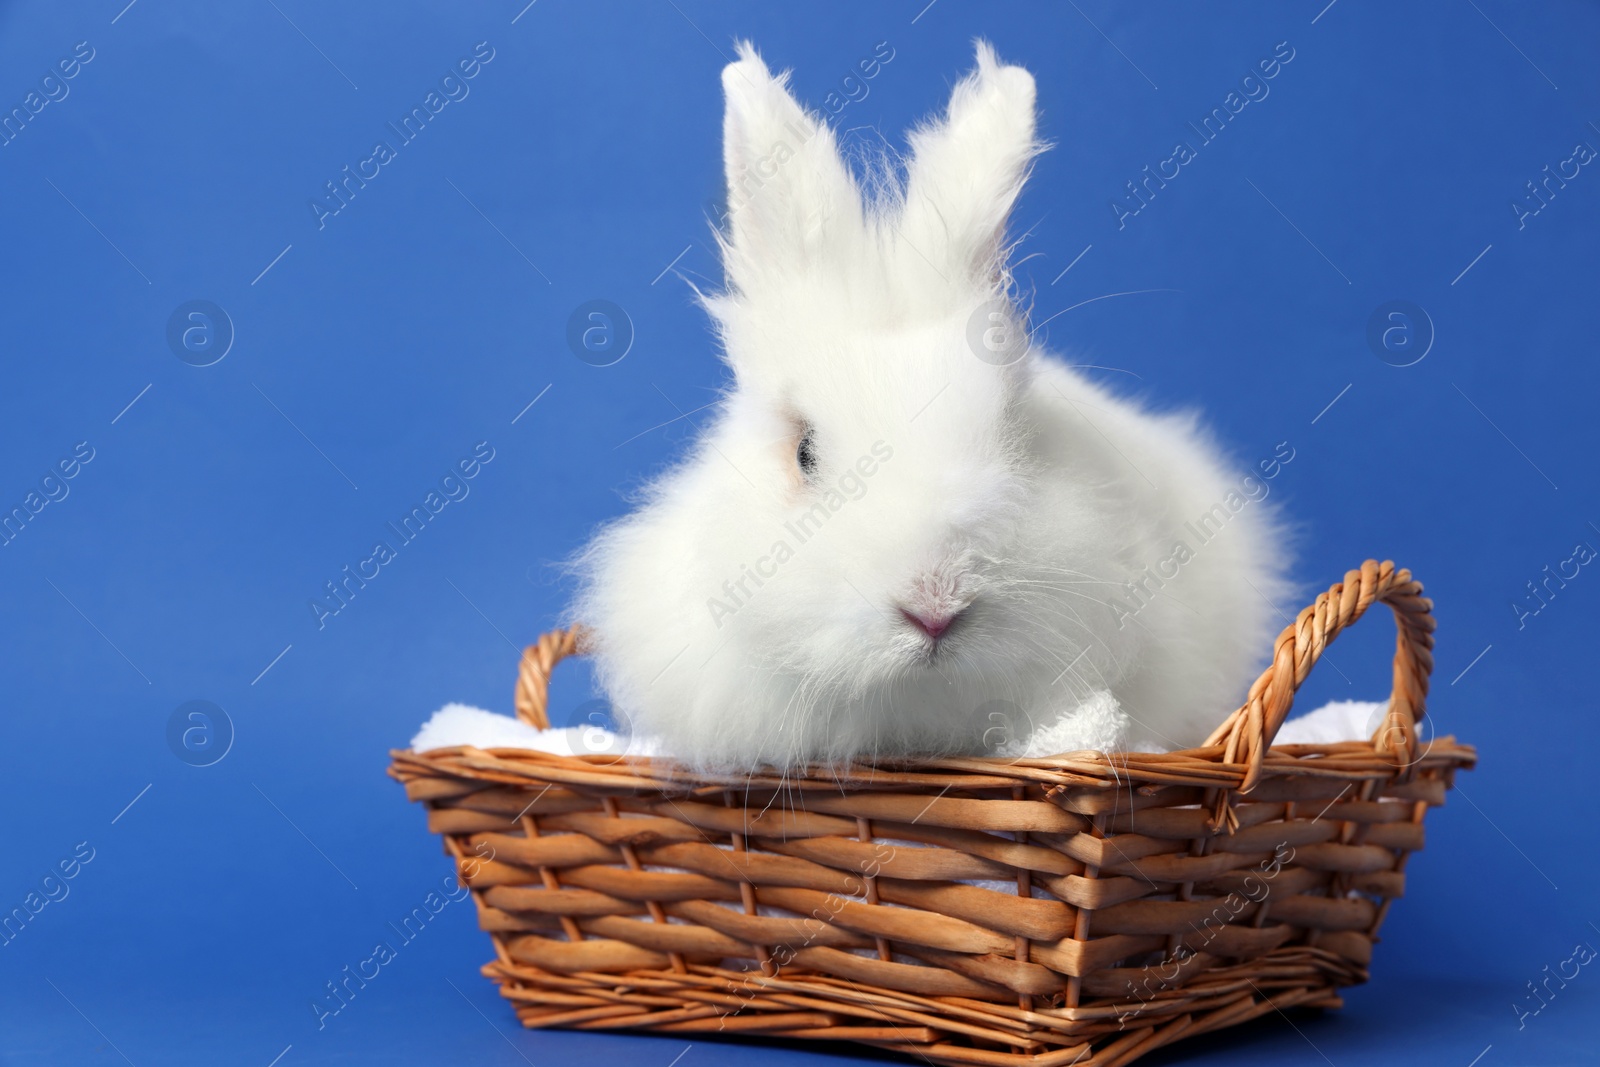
1097, 723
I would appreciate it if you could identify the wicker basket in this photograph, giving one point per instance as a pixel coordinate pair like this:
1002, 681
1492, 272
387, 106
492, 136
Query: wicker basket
1082, 909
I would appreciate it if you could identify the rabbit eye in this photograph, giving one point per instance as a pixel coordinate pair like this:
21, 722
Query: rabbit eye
806, 454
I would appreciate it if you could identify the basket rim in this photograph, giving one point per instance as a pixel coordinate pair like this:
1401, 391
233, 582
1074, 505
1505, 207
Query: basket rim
1354, 760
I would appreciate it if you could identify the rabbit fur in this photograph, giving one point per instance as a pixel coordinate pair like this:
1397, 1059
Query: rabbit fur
874, 461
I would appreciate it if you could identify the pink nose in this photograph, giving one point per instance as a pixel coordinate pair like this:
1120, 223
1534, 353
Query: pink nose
932, 625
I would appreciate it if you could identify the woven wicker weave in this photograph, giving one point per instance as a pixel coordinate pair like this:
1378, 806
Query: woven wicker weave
1145, 897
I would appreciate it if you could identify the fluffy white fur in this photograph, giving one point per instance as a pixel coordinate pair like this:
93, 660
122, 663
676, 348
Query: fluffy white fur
1097, 723
1025, 496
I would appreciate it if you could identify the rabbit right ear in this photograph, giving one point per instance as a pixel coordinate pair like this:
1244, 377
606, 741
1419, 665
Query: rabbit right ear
790, 196
968, 168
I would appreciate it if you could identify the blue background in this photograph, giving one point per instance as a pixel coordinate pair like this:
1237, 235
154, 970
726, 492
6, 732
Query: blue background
375, 351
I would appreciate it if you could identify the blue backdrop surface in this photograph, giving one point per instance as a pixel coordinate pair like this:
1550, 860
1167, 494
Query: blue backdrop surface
189, 484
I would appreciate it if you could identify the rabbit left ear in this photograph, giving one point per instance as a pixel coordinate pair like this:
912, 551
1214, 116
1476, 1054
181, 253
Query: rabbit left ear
789, 193
968, 169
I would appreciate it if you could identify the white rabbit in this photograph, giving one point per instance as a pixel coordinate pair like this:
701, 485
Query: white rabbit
904, 533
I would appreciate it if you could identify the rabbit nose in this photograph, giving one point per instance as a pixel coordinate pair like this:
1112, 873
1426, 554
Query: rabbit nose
934, 625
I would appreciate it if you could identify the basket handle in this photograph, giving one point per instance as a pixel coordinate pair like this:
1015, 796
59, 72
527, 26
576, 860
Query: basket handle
533, 674
1248, 733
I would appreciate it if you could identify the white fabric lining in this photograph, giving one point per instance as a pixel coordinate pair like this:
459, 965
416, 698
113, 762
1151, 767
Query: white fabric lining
462, 724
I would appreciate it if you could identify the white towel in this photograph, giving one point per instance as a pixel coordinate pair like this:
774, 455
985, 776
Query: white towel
1339, 720
462, 724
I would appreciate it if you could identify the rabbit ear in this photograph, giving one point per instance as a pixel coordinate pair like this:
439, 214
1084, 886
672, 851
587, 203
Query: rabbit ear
789, 193
967, 170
